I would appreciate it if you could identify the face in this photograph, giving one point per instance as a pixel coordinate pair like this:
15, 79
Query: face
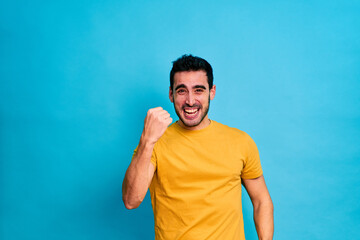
191, 97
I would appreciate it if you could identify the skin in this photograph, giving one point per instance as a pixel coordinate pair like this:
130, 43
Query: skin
191, 98
191, 92
263, 207
141, 171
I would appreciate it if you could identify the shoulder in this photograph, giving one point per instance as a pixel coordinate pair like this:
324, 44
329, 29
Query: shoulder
171, 129
231, 131
170, 132
234, 135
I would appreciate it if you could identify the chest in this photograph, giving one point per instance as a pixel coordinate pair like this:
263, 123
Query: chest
190, 163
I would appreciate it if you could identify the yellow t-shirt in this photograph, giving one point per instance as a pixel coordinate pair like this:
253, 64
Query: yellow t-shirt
196, 188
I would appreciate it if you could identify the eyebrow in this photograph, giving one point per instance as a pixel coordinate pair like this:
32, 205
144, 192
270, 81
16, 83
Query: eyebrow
196, 86
200, 86
180, 86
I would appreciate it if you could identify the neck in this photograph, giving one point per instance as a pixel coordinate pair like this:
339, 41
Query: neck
203, 124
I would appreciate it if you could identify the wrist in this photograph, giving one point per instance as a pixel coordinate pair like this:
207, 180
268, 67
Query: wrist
147, 142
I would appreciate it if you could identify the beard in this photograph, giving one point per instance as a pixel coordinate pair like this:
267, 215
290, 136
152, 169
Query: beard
204, 112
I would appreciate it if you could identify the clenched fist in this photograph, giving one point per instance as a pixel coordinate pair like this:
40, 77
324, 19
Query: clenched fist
156, 122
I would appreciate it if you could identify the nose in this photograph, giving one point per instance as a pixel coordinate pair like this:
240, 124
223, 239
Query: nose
190, 99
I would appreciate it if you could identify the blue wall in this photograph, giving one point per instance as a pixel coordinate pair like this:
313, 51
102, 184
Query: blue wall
77, 78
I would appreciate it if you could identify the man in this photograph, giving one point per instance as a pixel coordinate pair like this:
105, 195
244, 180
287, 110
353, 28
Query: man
194, 167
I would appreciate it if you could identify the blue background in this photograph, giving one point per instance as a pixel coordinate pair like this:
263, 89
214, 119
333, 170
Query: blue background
77, 78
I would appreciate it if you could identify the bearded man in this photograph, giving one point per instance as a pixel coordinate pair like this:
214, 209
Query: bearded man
194, 168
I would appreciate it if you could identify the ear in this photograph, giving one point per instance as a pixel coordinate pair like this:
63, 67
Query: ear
212, 92
171, 97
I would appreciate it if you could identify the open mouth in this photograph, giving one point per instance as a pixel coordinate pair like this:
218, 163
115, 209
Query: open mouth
191, 113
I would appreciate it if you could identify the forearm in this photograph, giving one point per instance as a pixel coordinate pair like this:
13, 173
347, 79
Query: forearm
264, 219
136, 181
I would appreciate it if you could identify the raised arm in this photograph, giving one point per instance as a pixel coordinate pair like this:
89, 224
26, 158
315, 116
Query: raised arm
263, 207
141, 171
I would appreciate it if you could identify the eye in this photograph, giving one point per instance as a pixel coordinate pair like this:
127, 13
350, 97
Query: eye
199, 90
180, 91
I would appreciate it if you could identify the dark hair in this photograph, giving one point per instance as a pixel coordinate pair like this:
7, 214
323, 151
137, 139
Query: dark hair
191, 63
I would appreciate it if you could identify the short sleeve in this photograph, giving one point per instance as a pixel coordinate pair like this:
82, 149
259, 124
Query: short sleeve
153, 156
252, 166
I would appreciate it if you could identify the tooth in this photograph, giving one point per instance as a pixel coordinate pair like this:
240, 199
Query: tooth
191, 111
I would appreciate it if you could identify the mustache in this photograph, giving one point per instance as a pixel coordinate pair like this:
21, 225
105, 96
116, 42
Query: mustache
190, 106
